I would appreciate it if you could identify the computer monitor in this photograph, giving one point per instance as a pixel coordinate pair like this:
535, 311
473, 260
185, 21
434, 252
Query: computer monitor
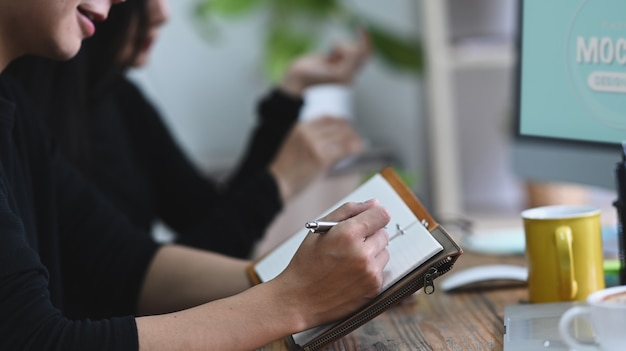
571, 99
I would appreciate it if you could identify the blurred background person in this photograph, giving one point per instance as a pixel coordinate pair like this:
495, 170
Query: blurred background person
111, 131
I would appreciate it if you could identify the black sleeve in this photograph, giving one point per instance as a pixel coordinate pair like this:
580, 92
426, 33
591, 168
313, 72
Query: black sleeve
251, 197
277, 114
29, 321
204, 214
99, 255
114, 256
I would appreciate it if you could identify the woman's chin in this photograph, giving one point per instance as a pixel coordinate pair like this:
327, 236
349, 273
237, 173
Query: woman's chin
61, 53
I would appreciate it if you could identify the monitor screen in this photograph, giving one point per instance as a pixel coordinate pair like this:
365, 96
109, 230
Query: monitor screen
573, 70
571, 90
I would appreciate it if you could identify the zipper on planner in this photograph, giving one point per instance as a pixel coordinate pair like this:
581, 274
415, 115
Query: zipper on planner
435, 271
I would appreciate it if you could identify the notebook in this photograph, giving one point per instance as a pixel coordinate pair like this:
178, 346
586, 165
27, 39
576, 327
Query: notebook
420, 250
535, 326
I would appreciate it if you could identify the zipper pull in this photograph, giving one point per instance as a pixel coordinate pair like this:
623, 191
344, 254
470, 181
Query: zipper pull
429, 277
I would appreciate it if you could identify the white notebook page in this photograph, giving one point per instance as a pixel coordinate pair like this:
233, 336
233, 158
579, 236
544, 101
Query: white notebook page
408, 247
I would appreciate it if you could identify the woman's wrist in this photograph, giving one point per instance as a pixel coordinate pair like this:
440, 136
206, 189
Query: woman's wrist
289, 308
292, 86
284, 189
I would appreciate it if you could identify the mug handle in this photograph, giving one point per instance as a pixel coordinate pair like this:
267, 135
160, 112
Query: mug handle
564, 328
567, 284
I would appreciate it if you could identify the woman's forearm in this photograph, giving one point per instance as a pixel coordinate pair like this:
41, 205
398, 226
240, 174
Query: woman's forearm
245, 321
181, 277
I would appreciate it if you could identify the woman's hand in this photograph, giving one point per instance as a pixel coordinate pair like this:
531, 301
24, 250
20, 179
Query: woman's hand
333, 274
340, 65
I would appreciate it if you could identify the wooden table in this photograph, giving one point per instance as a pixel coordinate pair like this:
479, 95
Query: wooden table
467, 320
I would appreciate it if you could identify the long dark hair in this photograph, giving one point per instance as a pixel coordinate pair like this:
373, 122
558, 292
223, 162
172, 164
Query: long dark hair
67, 92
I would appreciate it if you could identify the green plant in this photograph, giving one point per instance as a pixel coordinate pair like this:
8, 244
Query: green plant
298, 26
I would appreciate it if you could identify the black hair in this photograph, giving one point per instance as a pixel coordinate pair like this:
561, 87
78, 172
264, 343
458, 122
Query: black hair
66, 92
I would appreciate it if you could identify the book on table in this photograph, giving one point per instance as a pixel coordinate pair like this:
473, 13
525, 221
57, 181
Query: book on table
420, 251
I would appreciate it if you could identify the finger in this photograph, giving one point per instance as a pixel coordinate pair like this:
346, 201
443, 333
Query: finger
370, 221
332, 139
345, 59
343, 139
382, 258
332, 127
335, 55
350, 209
332, 130
349, 139
358, 51
378, 241
365, 45
337, 151
379, 246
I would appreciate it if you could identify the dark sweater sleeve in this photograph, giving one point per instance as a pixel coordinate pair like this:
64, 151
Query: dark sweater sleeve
204, 214
29, 321
81, 242
114, 256
277, 114
251, 197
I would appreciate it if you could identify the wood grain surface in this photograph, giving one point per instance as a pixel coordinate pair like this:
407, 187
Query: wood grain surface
471, 319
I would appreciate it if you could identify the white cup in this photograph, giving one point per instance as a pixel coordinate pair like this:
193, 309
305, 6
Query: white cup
606, 312
327, 100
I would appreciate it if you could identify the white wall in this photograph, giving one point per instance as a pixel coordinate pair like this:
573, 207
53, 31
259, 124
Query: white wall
208, 90
205, 90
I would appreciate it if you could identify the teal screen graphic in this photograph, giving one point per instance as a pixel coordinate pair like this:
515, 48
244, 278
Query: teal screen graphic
573, 70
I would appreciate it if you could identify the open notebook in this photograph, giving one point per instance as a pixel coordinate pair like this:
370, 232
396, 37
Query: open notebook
420, 250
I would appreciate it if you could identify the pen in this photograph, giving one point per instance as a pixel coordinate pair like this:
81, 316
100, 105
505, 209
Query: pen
319, 227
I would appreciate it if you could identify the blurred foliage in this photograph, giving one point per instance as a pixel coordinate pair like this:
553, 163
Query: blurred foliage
296, 27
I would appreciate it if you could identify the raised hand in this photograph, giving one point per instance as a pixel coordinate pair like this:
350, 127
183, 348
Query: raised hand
340, 65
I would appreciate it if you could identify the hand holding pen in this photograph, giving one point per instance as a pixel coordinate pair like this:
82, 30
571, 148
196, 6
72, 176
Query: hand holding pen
351, 258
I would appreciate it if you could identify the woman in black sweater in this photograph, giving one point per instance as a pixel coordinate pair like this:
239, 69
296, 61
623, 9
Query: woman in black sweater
104, 124
64, 248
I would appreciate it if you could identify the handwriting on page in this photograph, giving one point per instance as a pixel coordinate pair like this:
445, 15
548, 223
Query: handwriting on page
400, 230
409, 247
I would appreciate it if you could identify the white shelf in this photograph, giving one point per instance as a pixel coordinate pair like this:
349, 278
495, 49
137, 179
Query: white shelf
445, 57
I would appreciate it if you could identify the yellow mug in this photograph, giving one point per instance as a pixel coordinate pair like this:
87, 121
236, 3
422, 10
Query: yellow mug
563, 252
